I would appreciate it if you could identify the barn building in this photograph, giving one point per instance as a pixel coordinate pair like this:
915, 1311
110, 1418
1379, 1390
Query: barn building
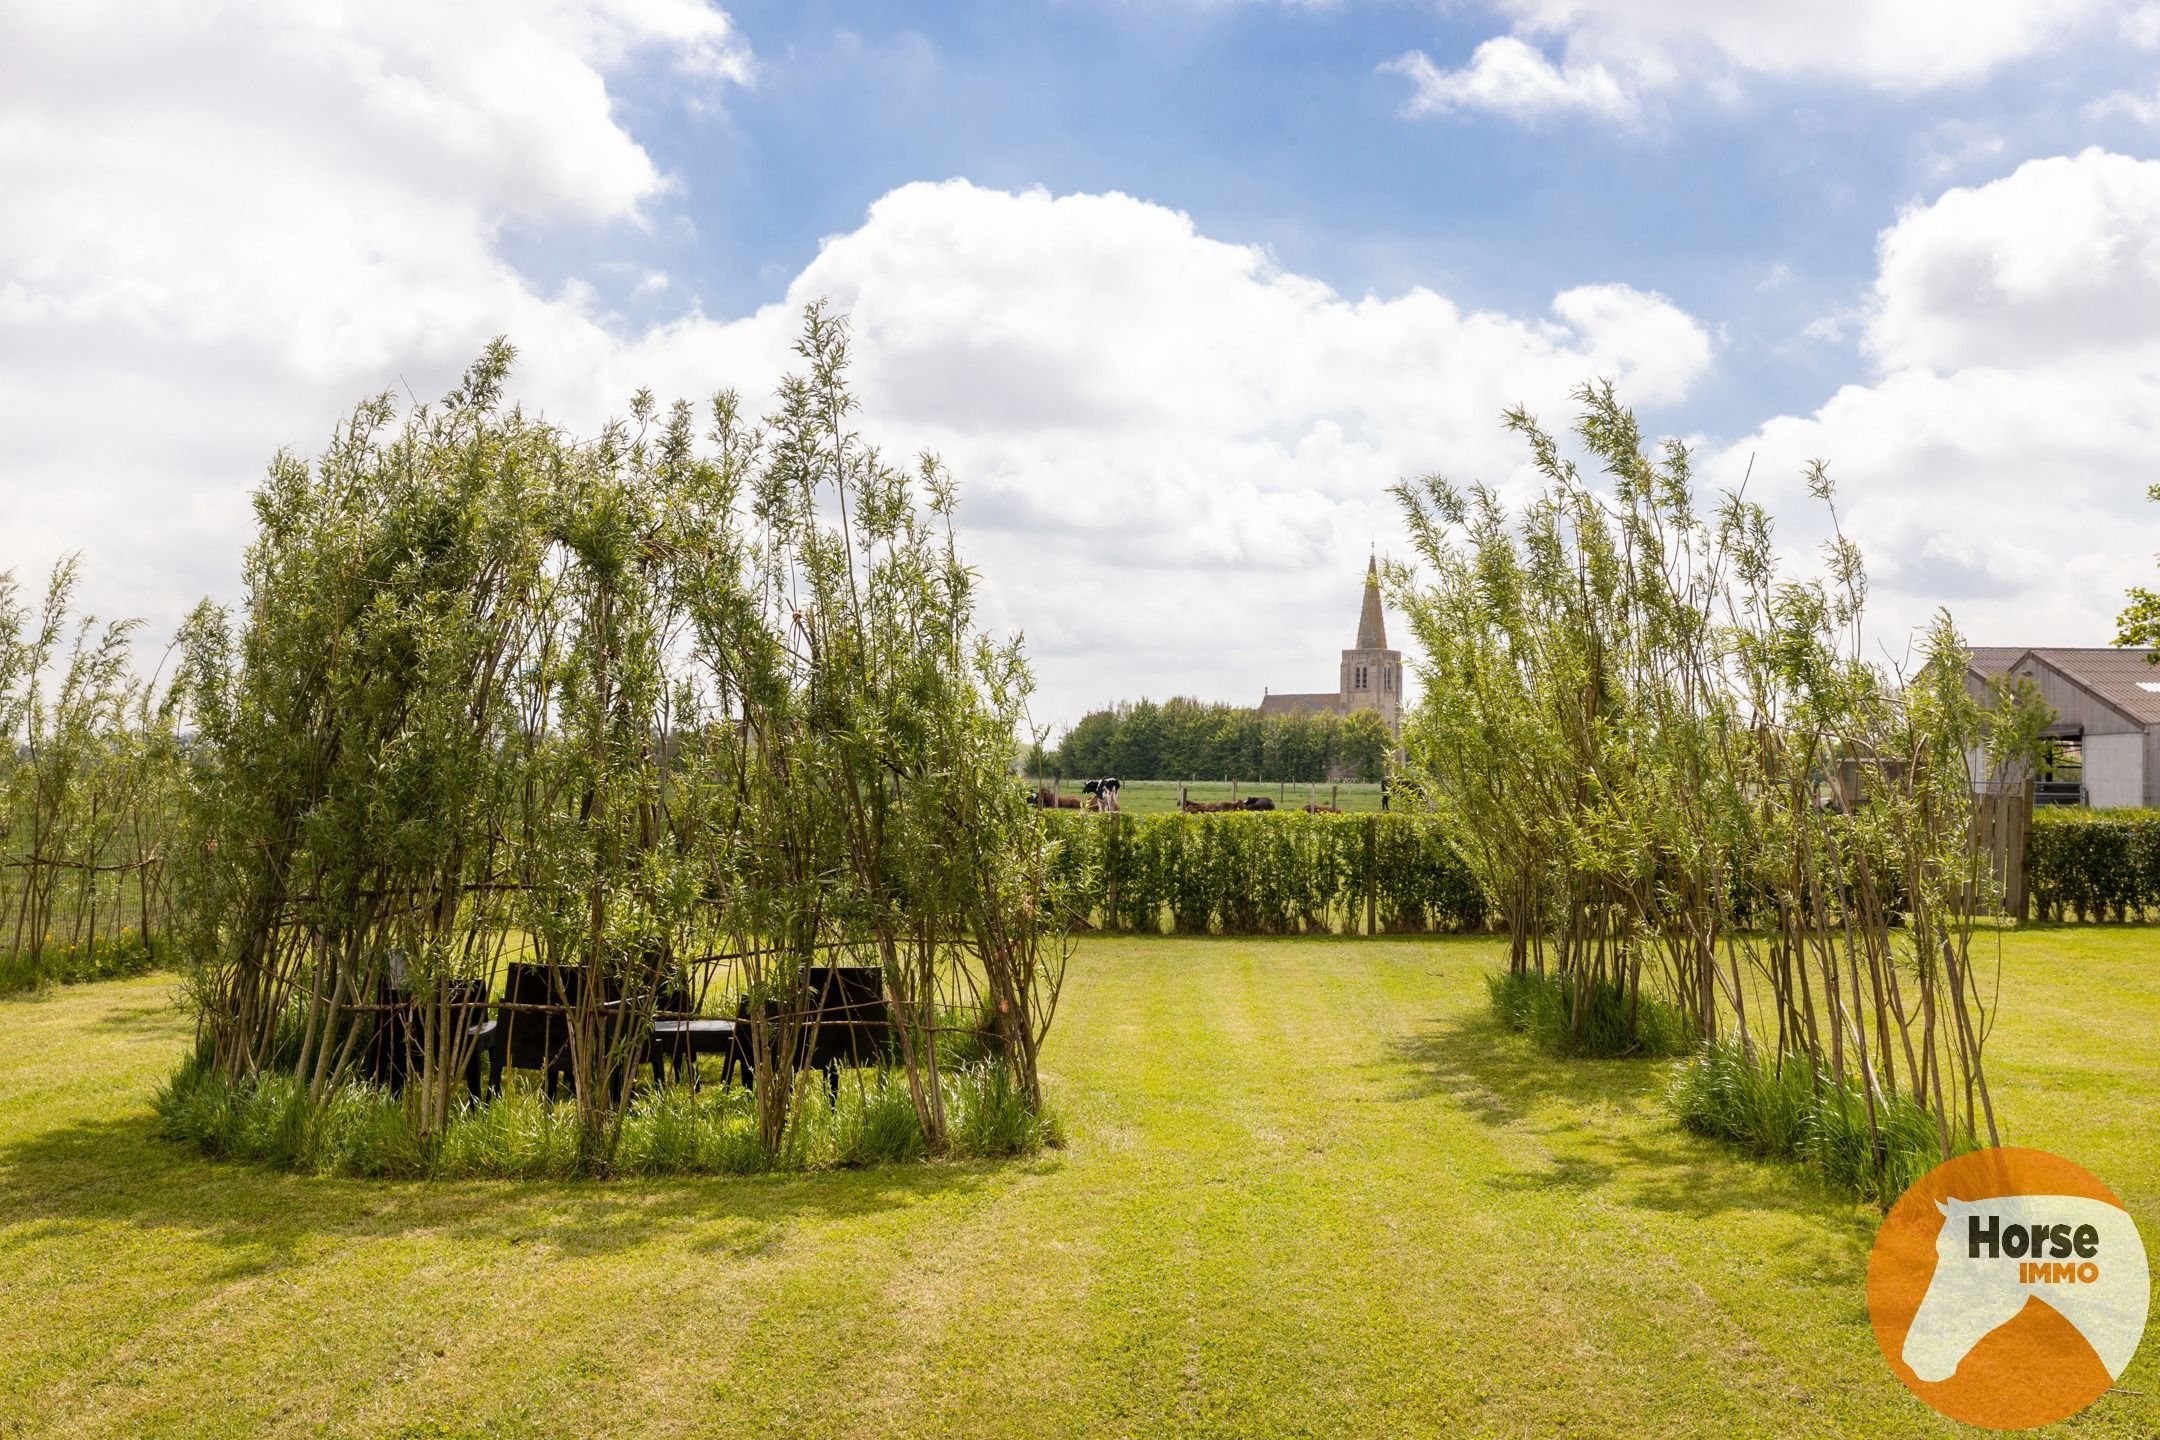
2107, 719
1370, 677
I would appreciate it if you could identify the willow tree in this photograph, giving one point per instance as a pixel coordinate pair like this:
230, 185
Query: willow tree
370, 775
867, 759
1667, 754
88, 758
1560, 726
655, 711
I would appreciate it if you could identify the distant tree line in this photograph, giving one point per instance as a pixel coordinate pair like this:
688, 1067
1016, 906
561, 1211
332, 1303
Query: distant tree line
1182, 739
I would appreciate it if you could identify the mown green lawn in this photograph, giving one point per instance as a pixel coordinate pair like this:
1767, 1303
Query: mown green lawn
1309, 1190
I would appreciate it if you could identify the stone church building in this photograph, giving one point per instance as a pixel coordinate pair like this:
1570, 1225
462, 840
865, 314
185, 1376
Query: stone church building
1371, 674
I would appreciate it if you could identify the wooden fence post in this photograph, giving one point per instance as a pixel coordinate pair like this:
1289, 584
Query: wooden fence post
2019, 892
2002, 826
1110, 869
1372, 875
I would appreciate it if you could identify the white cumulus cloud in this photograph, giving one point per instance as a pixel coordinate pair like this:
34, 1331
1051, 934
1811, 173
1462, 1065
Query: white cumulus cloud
225, 222
2142, 108
1618, 54
2141, 27
1510, 77
1998, 462
1176, 453
2060, 258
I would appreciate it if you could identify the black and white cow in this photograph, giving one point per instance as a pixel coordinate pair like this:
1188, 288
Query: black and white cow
1105, 791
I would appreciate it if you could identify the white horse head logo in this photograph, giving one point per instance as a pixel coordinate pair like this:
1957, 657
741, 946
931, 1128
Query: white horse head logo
2082, 1257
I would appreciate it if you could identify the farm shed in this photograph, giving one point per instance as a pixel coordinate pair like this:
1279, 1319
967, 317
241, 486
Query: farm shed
2107, 716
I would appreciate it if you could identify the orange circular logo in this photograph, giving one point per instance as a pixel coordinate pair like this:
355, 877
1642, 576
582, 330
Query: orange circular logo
2008, 1288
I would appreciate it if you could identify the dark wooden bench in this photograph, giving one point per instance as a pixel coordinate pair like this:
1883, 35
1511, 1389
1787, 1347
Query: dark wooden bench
388, 1058
535, 1039
849, 1022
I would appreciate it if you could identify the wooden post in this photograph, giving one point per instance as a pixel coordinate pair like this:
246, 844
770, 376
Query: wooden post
1331, 789
1112, 848
1181, 794
1233, 789
2017, 892
1372, 875
2002, 826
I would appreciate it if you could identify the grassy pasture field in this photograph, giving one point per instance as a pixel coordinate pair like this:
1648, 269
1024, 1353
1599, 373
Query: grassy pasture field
1311, 1189
1149, 797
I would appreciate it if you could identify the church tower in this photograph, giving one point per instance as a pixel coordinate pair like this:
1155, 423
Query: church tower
1372, 673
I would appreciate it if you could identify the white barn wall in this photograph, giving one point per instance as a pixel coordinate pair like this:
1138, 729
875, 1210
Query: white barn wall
2122, 755
2115, 770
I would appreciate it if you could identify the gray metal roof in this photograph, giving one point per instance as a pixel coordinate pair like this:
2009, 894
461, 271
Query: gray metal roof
1996, 659
2117, 674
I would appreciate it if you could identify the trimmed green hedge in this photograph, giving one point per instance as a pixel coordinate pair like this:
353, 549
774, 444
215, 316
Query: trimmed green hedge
2093, 864
1264, 873
1289, 873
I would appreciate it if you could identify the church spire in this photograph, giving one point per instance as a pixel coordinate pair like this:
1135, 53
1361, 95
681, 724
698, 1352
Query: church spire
1371, 627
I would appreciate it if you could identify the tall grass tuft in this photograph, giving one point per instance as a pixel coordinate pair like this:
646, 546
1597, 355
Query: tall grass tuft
1788, 1112
991, 1117
1544, 1007
366, 1131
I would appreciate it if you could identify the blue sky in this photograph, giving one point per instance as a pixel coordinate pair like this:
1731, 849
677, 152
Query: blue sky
1177, 289
1275, 125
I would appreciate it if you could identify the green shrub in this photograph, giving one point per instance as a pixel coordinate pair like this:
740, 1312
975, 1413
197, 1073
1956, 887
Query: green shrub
1785, 1112
365, 1131
2093, 864
115, 958
1543, 1007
